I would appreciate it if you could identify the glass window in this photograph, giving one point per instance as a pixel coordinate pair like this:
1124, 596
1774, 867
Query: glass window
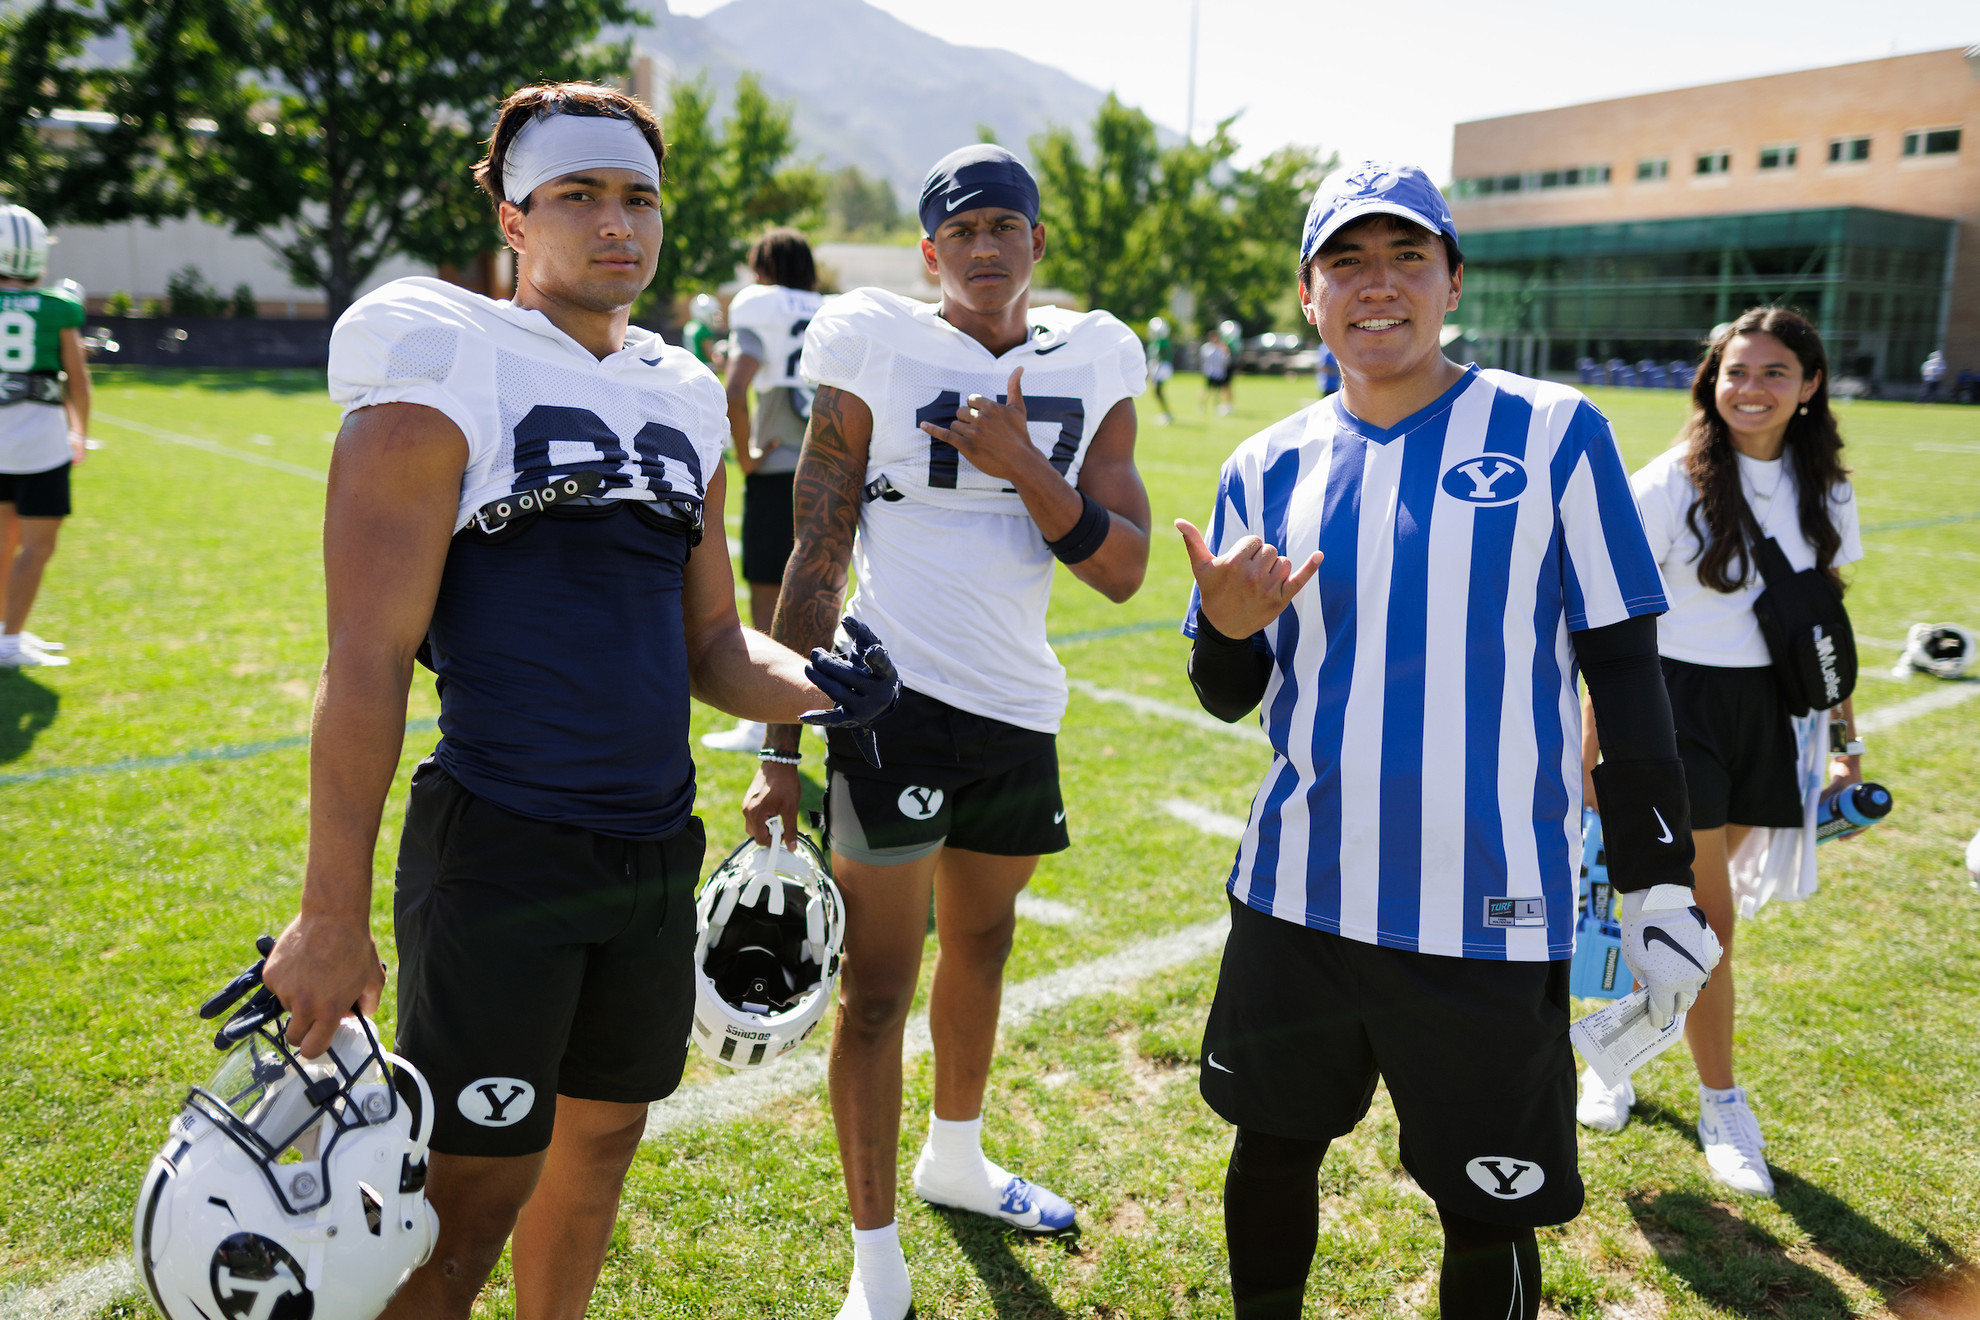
1932, 142
1714, 162
1845, 151
1779, 157
1511, 182
1649, 171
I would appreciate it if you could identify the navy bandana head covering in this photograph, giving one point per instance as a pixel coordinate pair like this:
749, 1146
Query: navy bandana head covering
975, 177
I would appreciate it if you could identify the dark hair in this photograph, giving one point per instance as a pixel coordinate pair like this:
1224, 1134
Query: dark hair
1452, 256
782, 256
1812, 444
560, 98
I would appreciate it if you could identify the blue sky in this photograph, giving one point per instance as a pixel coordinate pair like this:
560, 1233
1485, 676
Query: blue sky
1389, 80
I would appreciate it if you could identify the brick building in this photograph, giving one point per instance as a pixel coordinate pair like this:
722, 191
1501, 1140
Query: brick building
1628, 228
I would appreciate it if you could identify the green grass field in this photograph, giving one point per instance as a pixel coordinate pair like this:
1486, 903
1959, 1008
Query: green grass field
153, 815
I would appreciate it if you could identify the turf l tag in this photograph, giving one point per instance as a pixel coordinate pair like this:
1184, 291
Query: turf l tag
1503, 912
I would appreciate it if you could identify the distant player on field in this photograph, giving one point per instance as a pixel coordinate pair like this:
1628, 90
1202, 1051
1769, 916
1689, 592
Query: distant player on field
767, 321
1161, 364
44, 415
702, 335
1407, 575
955, 449
517, 493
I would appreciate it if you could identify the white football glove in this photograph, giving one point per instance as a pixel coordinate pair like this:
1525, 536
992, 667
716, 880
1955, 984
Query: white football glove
1669, 946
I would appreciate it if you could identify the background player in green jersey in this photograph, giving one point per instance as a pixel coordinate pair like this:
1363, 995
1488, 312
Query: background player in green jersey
44, 415
702, 335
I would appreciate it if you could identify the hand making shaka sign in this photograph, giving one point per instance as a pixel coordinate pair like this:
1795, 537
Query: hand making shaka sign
1246, 587
992, 435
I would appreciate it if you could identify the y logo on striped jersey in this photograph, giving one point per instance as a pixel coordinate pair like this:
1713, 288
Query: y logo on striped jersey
1486, 480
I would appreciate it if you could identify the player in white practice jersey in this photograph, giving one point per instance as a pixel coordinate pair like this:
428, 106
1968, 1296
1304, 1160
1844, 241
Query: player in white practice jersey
516, 498
767, 321
968, 443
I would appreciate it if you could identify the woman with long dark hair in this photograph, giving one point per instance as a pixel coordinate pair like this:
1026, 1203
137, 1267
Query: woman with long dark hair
1761, 450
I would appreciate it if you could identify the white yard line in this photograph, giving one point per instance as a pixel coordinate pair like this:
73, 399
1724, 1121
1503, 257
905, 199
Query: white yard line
1940, 698
73, 1296
1163, 710
210, 446
731, 1098
1204, 818
1047, 911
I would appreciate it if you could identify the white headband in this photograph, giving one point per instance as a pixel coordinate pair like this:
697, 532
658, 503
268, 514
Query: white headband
555, 145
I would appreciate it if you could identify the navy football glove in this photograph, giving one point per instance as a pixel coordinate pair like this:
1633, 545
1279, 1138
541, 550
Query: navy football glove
263, 1007
861, 683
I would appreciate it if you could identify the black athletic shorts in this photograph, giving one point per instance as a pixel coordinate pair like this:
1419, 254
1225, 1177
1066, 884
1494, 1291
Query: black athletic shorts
1474, 1050
945, 776
767, 529
537, 960
37, 494
1740, 763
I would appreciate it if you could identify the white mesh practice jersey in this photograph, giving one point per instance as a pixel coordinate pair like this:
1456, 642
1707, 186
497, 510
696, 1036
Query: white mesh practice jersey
777, 316
952, 572
531, 401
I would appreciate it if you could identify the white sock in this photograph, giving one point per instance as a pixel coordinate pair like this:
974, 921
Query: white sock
955, 1142
879, 1288
1708, 1096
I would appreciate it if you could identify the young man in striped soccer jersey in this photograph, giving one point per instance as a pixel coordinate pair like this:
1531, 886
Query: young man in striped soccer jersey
44, 415
516, 497
1408, 575
967, 444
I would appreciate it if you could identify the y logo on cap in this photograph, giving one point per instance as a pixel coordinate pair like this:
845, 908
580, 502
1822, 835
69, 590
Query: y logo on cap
1506, 1178
496, 1101
1488, 479
1369, 180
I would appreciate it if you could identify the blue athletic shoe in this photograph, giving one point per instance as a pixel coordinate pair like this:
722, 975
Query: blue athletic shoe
987, 1189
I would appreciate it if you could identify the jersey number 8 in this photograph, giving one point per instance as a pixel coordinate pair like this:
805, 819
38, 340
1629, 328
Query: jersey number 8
16, 341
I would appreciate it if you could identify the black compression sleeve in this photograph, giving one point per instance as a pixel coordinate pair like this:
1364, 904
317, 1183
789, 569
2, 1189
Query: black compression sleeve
1271, 1222
1646, 811
1490, 1271
1228, 673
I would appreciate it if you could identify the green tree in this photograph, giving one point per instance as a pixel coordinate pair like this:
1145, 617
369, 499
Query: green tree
725, 185
1102, 225
344, 129
860, 207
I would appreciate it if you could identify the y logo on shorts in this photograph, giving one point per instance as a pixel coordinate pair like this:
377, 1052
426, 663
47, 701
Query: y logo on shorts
1506, 1178
917, 803
496, 1101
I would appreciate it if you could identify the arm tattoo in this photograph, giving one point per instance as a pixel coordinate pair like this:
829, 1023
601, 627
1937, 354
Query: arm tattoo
826, 498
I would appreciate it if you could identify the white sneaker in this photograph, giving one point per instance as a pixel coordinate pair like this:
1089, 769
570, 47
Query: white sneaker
41, 644
1732, 1141
987, 1189
745, 737
15, 654
1601, 1107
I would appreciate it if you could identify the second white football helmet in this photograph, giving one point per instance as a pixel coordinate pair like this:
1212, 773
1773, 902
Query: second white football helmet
23, 244
290, 1188
705, 309
1943, 650
767, 957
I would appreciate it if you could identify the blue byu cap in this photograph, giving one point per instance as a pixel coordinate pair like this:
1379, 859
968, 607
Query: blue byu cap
972, 177
1373, 187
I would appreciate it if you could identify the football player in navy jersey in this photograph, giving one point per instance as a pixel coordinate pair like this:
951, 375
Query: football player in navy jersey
1407, 575
954, 451
516, 497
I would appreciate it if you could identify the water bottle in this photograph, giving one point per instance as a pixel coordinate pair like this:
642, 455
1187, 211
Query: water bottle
1598, 969
1850, 810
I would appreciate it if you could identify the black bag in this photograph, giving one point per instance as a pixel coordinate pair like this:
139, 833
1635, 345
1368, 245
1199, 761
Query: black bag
1805, 625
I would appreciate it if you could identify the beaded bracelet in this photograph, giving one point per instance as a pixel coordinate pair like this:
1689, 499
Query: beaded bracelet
779, 758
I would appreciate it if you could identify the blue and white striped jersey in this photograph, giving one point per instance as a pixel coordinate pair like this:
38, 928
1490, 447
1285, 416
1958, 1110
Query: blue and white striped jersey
1426, 788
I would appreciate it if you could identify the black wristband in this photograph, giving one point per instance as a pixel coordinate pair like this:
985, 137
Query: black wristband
1206, 631
1646, 823
1086, 536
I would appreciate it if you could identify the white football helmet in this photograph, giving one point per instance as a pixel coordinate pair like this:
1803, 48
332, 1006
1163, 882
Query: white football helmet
23, 243
290, 1188
767, 957
1157, 327
1943, 650
705, 309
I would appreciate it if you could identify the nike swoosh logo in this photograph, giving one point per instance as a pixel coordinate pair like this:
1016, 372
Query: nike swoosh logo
1661, 825
960, 200
651, 362
1211, 1059
1656, 936
1059, 819
1053, 349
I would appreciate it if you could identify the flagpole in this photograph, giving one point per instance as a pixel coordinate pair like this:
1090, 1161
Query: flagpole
1189, 122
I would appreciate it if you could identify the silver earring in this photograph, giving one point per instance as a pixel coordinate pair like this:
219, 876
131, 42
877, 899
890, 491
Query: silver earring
1804, 410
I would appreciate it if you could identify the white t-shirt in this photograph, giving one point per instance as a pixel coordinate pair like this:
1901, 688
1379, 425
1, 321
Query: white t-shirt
1708, 627
953, 573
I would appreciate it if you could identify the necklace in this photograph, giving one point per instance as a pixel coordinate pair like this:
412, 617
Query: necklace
1761, 515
